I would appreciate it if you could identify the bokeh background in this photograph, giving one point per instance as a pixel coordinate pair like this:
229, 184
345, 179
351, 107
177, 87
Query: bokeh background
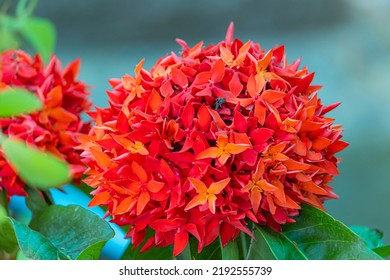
346, 42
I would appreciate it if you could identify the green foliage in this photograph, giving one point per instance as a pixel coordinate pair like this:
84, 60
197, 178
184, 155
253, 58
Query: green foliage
372, 237
37, 32
320, 236
8, 243
315, 235
36, 246
270, 245
214, 251
60, 232
156, 253
18, 101
231, 251
383, 251
35, 167
211, 252
41, 34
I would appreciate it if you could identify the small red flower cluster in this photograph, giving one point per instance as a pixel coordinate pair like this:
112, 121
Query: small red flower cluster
208, 139
55, 127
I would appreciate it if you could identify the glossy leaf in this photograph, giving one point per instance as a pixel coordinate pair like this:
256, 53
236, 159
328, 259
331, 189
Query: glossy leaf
36, 246
210, 252
41, 34
70, 232
8, 242
35, 202
383, 251
155, 253
270, 245
372, 237
320, 236
231, 251
92, 252
35, 167
7, 39
18, 101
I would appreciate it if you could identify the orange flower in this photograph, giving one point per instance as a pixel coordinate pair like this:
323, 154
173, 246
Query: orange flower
208, 139
56, 127
257, 185
223, 151
206, 194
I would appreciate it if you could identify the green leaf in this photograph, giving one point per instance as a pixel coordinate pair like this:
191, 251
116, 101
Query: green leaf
210, 252
383, 251
92, 252
372, 237
35, 202
21, 256
18, 101
156, 253
320, 236
35, 167
36, 246
270, 245
74, 231
8, 242
7, 39
25, 8
41, 34
230, 251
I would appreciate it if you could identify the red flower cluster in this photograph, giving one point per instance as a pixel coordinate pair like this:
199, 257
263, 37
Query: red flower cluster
208, 139
55, 127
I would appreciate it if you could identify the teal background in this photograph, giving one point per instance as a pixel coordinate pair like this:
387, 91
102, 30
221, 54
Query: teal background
346, 42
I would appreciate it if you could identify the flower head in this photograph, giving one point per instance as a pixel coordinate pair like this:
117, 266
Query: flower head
55, 127
209, 139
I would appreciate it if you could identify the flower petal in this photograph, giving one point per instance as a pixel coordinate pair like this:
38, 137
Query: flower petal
217, 187
218, 71
271, 96
255, 198
125, 205
102, 159
154, 186
139, 172
188, 114
181, 241
235, 149
99, 199
212, 152
199, 199
212, 199
198, 185
235, 85
179, 78
143, 200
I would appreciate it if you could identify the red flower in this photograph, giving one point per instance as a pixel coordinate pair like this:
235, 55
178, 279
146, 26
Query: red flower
56, 126
208, 139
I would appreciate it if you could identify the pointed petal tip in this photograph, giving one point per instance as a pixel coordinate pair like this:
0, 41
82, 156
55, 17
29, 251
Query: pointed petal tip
229, 34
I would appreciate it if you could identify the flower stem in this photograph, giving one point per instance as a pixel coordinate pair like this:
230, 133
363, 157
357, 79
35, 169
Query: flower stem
244, 244
251, 243
4, 200
2, 137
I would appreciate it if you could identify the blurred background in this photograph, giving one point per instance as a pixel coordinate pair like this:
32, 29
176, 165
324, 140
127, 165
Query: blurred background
346, 42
